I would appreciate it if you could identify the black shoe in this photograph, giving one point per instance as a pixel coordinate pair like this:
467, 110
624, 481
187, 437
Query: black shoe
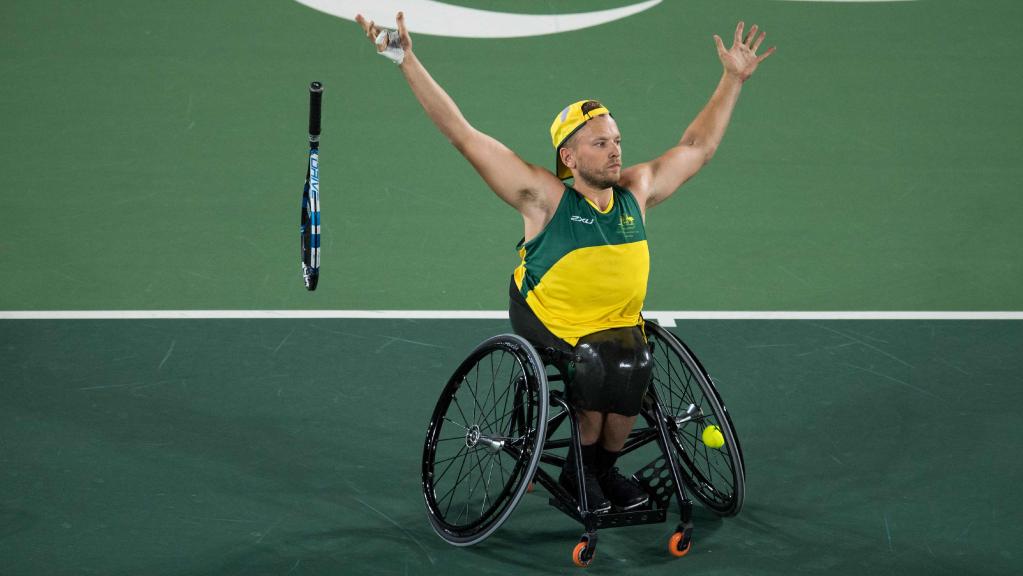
625, 492
595, 498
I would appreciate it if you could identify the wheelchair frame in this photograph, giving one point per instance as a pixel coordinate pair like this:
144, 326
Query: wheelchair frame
519, 430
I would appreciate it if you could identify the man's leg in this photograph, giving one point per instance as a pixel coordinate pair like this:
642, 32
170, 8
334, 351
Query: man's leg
623, 492
616, 365
591, 427
611, 377
616, 431
602, 437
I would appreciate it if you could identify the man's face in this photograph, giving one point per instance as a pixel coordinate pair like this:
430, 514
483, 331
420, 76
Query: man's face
595, 152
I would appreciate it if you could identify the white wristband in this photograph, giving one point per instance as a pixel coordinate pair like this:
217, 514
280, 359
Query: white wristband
394, 52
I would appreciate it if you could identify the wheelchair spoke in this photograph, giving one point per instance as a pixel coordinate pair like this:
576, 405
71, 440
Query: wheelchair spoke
676, 401
683, 376
518, 440
700, 451
485, 411
449, 495
470, 484
480, 412
451, 462
509, 391
462, 426
504, 397
451, 492
462, 453
461, 438
685, 383
498, 423
486, 495
472, 488
515, 375
458, 406
719, 461
475, 402
458, 479
500, 420
477, 409
484, 467
504, 481
493, 391
451, 458
494, 373
484, 479
490, 475
520, 414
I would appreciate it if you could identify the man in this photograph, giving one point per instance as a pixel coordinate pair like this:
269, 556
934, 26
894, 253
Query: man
583, 277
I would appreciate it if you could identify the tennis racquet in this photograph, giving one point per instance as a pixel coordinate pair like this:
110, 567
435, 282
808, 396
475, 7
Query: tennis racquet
310, 229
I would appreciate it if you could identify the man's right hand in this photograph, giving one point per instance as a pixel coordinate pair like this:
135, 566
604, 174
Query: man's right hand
372, 31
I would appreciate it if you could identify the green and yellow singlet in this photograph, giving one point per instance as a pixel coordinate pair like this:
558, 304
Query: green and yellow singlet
587, 270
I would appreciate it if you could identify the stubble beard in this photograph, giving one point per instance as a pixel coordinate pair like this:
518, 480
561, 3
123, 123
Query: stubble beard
598, 180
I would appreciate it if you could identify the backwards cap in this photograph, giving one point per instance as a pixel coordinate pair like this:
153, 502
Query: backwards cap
567, 123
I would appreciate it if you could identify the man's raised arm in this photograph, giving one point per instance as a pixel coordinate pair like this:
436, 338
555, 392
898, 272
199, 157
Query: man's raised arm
525, 186
655, 181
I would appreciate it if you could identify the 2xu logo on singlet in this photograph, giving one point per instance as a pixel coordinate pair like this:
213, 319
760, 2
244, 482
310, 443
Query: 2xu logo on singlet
626, 225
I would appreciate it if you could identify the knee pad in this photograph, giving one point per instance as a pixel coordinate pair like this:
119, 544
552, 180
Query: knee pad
612, 371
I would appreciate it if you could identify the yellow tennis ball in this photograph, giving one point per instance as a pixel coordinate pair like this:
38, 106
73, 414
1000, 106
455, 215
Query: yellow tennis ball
712, 437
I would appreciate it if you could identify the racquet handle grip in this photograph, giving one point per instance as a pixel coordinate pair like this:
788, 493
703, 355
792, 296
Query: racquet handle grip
315, 100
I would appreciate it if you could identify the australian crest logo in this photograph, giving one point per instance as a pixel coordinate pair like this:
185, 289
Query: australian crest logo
627, 226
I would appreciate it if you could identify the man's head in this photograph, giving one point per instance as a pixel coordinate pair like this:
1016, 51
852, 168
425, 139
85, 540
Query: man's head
587, 143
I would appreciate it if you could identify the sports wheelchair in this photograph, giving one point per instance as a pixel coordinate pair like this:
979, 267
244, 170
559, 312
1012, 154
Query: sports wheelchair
496, 423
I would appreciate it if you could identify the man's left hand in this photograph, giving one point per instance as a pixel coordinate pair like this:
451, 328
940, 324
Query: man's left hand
741, 60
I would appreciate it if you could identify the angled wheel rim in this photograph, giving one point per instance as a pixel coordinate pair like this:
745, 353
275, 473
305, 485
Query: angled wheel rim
715, 476
483, 442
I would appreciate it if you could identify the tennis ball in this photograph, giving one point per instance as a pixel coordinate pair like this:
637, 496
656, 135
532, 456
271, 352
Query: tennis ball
712, 437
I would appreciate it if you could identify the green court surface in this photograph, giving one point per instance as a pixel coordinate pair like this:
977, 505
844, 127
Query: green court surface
215, 447
152, 159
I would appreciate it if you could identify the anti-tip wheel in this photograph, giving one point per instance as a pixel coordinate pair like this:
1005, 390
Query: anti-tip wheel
582, 554
679, 544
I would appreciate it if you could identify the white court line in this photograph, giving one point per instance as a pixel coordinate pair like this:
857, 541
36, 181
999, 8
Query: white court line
663, 317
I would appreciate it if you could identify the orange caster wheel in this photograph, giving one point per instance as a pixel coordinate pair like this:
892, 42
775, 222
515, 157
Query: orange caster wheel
583, 553
679, 544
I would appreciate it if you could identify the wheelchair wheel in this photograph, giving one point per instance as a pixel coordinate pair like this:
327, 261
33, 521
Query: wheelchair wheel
485, 439
691, 404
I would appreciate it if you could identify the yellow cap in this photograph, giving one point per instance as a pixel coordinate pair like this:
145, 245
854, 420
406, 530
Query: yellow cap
567, 123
